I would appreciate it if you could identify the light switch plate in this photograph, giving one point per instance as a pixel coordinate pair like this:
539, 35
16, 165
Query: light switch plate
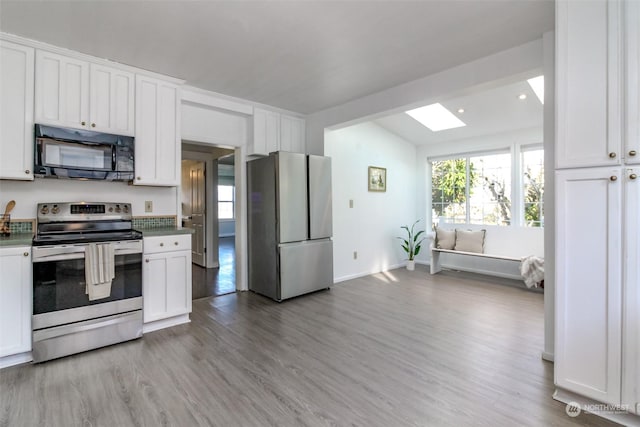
148, 206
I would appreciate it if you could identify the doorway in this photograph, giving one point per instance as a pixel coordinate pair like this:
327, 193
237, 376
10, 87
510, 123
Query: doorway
204, 202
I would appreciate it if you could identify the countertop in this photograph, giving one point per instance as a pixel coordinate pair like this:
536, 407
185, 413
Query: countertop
164, 231
25, 239
16, 239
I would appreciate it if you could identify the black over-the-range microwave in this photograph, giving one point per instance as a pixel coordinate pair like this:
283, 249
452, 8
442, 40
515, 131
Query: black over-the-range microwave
81, 154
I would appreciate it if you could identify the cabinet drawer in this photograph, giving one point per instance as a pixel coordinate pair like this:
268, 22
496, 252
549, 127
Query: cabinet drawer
159, 244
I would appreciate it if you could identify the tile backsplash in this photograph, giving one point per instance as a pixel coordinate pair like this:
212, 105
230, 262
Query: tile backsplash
154, 222
18, 226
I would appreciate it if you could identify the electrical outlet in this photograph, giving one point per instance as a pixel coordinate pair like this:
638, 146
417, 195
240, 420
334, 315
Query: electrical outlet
148, 206
355, 254
351, 204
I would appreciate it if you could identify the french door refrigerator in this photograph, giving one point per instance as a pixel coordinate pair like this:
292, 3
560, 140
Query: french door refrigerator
289, 224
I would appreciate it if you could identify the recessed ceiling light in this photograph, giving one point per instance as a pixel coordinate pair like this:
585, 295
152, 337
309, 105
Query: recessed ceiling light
460, 110
537, 84
522, 96
436, 117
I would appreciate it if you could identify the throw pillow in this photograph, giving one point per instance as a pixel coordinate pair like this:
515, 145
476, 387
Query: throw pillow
470, 241
445, 239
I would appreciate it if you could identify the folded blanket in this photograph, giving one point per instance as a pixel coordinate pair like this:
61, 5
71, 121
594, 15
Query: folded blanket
532, 270
99, 269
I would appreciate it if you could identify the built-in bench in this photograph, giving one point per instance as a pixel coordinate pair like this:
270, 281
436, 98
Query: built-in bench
503, 250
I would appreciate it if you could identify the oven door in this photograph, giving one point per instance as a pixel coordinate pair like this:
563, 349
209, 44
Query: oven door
59, 284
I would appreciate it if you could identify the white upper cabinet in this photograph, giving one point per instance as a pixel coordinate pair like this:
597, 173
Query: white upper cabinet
111, 101
632, 31
74, 93
589, 83
16, 111
62, 90
266, 132
292, 134
589, 282
157, 159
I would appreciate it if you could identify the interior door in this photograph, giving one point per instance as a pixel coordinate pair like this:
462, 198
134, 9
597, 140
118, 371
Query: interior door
196, 177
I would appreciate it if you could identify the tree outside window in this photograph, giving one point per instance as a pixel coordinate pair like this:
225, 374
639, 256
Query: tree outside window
533, 187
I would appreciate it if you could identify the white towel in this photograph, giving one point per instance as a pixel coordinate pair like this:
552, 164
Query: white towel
99, 270
532, 270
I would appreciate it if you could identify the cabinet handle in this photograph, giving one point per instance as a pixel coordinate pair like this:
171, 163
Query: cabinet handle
93, 125
632, 153
613, 178
612, 155
146, 260
26, 254
83, 123
176, 243
138, 178
633, 176
161, 244
27, 171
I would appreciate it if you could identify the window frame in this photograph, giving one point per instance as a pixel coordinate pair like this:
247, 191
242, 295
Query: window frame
232, 201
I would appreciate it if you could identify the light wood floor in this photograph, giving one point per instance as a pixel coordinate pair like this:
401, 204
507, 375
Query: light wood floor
394, 349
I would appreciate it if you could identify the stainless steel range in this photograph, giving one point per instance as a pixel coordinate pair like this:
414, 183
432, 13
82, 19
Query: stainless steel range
87, 278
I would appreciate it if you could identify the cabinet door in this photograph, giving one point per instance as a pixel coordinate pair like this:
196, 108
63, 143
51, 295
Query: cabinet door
15, 304
111, 102
292, 134
631, 310
16, 111
166, 285
62, 90
588, 282
588, 83
266, 132
632, 140
157, 132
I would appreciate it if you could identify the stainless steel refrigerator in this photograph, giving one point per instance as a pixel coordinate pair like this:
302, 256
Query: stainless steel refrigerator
289, 224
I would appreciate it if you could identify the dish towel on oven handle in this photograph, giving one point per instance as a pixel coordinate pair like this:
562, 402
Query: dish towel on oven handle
99, 270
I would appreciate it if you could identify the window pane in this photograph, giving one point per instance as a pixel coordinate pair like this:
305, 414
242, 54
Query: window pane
225, 193
225, 210
490, 189
448, 183
533, 187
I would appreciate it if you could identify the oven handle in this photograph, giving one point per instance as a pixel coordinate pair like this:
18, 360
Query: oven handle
45, 254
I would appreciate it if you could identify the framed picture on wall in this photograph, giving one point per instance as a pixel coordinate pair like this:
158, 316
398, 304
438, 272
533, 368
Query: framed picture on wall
377, 179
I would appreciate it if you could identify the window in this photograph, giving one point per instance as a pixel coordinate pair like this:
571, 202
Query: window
225, 201
533, 187
476, 189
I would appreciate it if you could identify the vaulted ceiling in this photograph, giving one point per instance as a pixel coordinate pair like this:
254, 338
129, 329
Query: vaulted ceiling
303, 56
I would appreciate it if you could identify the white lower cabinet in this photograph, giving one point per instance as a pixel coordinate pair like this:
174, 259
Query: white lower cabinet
15, 303
166, 280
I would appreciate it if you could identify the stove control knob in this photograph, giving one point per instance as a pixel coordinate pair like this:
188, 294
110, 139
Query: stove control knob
55, 209
44, 210
111, 209
125, 208
118, 209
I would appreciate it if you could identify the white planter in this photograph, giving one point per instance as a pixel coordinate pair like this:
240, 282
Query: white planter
411, 265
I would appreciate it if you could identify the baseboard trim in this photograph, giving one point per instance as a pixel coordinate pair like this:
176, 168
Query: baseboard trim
365, 273
548, 356
15, 359
165, 323
626, 419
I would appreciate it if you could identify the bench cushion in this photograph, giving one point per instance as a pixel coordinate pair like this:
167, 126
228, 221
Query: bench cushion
470, 241
445, 239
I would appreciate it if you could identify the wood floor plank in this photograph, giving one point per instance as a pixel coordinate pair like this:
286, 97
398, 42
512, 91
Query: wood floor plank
393, 349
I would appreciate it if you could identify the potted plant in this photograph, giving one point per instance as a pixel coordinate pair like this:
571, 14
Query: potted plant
411, 244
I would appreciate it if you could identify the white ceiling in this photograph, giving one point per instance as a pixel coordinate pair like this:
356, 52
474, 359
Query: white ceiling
486, 112
302, 56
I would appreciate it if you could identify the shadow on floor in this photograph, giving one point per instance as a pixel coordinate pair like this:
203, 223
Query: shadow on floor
216, 281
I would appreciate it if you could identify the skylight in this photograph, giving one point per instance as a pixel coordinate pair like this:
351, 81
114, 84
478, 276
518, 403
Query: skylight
436, 117
537, 84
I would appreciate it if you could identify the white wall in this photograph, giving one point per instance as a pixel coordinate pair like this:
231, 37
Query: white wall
370, 227
28, 193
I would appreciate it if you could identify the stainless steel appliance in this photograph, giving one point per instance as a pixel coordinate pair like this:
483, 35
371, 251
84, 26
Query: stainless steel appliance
81, 154
65, 320
289, 204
